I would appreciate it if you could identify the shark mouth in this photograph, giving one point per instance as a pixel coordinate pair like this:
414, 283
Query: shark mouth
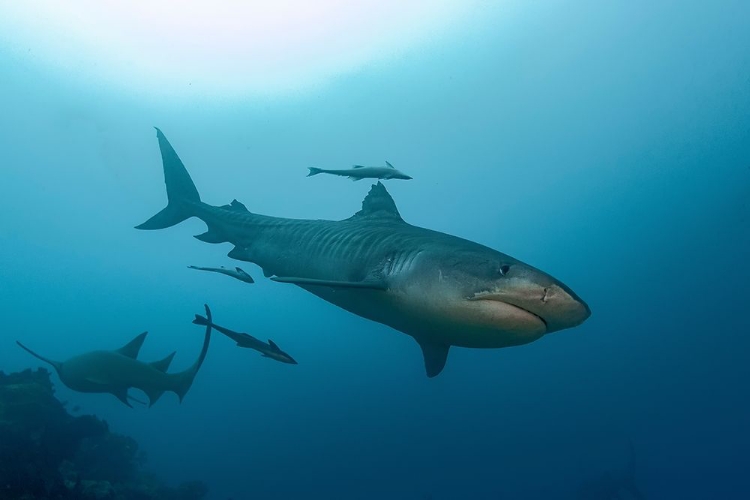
493, 297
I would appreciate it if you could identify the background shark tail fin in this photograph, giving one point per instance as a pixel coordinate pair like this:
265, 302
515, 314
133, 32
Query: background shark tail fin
180, 189
184, 380
314, 171
55, 364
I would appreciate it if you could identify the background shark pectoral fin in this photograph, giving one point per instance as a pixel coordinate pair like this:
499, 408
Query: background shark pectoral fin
132, 348
435, 356
367, 284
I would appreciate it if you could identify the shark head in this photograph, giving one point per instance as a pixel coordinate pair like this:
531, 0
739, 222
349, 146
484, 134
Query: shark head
274, 352
491, 299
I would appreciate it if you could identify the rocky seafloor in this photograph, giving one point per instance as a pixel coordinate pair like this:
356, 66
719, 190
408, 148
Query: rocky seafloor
45, 452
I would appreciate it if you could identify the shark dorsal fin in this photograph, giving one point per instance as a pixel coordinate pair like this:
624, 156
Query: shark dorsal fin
388, 164
378, 203
163, 364
435, 356
273, 344
132, 348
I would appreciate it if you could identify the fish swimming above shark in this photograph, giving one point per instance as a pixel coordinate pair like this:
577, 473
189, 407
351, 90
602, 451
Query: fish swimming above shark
267, 350
115, 372
440, 289
359, 172
236, 273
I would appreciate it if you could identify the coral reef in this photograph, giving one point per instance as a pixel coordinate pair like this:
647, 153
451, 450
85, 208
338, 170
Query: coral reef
47, 453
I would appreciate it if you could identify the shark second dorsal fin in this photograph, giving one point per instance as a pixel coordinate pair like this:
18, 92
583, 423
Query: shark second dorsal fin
163, 364
132, 348
358, 166
239, 207
378, 203
435, 356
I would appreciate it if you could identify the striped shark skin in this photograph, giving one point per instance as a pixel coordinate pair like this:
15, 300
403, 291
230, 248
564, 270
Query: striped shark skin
440, 289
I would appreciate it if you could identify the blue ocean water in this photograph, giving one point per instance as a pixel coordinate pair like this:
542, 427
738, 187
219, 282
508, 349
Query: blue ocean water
608, 145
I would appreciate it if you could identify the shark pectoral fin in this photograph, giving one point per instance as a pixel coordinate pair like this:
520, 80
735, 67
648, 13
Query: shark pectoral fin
122, 395
163, 364
435, 356
211, 236
368, 284
132, 348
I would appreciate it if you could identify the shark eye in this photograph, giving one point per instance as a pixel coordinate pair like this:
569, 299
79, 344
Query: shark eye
504, 269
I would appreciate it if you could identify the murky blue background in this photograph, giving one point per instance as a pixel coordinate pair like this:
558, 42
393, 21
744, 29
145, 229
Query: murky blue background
608, 145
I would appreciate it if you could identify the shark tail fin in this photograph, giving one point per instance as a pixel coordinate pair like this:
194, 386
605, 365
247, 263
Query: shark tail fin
55, 364
181, 191
314, 171
184, 380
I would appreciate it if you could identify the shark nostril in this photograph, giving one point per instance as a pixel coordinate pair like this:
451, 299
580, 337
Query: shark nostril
544, 297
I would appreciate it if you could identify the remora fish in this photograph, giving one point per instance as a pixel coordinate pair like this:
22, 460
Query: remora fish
236, 273
441, 290
269, 350
359, 172
115, 372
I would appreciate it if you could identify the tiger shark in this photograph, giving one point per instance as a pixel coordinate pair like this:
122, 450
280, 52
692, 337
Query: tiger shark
115, 372
441, 290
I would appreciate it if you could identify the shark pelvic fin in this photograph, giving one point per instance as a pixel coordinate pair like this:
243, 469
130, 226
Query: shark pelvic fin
368, 284
435, 356
122, 395
378, 203
132, 348
153, 396
163, 364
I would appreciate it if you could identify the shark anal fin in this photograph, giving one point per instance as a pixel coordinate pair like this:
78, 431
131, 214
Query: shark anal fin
367, 284
239, 253
211, 236
132, 348
435, 356
163, 364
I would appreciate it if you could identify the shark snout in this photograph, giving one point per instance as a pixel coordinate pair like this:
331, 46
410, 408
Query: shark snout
561, 308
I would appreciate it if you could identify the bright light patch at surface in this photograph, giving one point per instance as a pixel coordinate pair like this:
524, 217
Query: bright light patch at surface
226, 47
